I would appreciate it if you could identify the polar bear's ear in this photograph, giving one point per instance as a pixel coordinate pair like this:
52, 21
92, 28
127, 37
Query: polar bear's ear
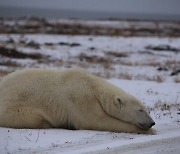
118, 102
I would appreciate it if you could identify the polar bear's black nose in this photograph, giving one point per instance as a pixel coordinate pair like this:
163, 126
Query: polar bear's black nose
152, 124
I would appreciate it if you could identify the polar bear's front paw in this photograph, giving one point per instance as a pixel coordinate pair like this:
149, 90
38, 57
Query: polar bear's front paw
152, 131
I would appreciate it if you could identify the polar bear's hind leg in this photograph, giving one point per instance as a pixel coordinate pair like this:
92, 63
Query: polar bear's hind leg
23, 117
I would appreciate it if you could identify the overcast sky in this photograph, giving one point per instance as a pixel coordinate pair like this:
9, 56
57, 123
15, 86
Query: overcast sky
165, 7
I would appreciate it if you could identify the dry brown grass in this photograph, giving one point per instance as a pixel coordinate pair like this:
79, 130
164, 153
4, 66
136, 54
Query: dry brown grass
105, 75
153, 64
9, 63
117, 54
124, 75
13, 53
128, 63
103, 61
132, 28
165, 107
156, 78
171, 62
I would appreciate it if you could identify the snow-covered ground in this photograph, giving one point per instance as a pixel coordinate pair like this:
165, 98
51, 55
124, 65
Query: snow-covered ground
146, 67
140, 58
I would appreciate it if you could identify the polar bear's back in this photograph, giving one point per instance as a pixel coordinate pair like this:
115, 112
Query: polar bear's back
22, 78
14, 84
38, 82
42, 97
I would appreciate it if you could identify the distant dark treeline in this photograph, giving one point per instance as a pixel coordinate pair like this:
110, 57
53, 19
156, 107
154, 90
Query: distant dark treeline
80, 27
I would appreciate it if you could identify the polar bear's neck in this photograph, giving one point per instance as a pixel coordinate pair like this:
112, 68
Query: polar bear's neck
104, 94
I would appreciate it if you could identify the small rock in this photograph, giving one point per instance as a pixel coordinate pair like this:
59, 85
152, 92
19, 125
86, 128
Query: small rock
176, 72
48, 44
63, 43
131, 138
92, 48
75, 44
162, 69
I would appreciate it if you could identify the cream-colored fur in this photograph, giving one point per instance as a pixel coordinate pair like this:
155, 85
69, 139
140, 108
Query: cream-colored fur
72, 99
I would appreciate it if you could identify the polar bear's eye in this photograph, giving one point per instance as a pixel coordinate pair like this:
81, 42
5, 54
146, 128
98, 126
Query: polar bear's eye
141, 110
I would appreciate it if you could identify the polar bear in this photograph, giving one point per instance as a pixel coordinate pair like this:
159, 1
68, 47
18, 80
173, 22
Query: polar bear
71, 99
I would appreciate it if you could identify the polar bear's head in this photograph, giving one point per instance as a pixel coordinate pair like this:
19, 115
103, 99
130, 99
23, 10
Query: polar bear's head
127, 108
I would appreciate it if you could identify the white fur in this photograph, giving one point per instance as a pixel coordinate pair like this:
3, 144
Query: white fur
73, 98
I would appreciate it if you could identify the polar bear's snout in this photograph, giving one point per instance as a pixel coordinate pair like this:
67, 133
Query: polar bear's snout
147, 125
153, 123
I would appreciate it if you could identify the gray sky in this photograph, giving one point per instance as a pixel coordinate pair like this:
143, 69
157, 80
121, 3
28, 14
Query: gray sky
149, 6
164, 7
